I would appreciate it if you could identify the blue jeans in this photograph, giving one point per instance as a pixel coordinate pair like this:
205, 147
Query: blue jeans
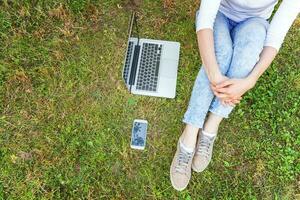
237, 49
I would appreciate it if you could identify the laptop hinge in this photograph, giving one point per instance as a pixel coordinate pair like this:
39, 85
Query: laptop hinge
134, 65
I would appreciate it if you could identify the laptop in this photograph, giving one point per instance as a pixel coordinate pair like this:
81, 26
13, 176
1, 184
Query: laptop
150, 66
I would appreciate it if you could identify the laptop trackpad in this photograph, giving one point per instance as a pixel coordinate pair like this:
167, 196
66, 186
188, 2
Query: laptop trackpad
168, 68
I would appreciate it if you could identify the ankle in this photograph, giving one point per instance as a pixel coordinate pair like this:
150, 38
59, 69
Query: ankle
188, 143
213, 129
185, 147
212, 123
189, 136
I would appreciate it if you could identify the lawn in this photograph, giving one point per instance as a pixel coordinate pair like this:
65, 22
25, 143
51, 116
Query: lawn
66, 116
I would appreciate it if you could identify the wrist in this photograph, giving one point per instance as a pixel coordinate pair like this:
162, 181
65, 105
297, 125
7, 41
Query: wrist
214, 76
252, 81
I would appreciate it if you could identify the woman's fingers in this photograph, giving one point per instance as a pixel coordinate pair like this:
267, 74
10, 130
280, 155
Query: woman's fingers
226, 98
212, 87
222, 90
223, 103
224, 83
236, 101
221, 95
216, 93
231, 104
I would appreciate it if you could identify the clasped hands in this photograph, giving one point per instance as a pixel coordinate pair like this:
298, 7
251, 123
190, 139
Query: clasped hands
230, 90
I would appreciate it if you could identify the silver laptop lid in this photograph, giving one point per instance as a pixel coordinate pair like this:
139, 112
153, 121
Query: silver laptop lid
129, 51
132, 54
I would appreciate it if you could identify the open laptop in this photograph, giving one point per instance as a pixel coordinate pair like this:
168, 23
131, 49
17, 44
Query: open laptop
150, 66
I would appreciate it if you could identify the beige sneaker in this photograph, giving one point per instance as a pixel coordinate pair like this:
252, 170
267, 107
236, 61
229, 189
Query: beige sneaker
203, 152
180, 170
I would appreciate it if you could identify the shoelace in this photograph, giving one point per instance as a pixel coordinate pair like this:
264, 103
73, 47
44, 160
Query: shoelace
205, 143
183, 161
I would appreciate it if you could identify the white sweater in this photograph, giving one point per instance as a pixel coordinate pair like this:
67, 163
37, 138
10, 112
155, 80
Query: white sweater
239, 10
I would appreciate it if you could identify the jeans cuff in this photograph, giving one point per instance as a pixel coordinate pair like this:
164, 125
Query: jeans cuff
217, 112
193, 122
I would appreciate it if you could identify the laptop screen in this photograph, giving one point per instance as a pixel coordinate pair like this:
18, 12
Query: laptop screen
132, 32
130, 28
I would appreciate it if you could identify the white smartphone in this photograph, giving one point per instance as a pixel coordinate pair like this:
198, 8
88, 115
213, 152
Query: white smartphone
139, 134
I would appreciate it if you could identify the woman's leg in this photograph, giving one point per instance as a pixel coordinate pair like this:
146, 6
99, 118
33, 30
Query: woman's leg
202, 94
248, 40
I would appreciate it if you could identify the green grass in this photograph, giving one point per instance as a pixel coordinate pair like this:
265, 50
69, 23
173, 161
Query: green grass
66, 115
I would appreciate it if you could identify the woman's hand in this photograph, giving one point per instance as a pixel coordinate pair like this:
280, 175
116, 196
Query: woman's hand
218, 78
232, 89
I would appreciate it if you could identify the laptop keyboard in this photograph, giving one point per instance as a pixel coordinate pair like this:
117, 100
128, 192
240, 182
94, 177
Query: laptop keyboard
149, 67
127, 61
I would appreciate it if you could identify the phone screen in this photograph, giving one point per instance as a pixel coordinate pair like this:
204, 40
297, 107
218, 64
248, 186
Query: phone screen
139, 132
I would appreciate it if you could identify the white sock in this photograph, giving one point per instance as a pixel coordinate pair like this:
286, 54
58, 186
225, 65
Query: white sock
209, 134
187, 149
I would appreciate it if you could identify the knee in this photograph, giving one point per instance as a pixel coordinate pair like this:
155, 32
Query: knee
254, 30
260, 26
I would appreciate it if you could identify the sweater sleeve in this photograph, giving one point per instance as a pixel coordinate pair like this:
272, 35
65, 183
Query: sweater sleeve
281, 23
205, 16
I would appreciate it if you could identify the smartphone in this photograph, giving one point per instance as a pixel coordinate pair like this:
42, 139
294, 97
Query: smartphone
138, 134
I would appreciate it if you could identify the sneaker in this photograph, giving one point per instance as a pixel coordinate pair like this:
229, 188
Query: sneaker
180, 170
203, 152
